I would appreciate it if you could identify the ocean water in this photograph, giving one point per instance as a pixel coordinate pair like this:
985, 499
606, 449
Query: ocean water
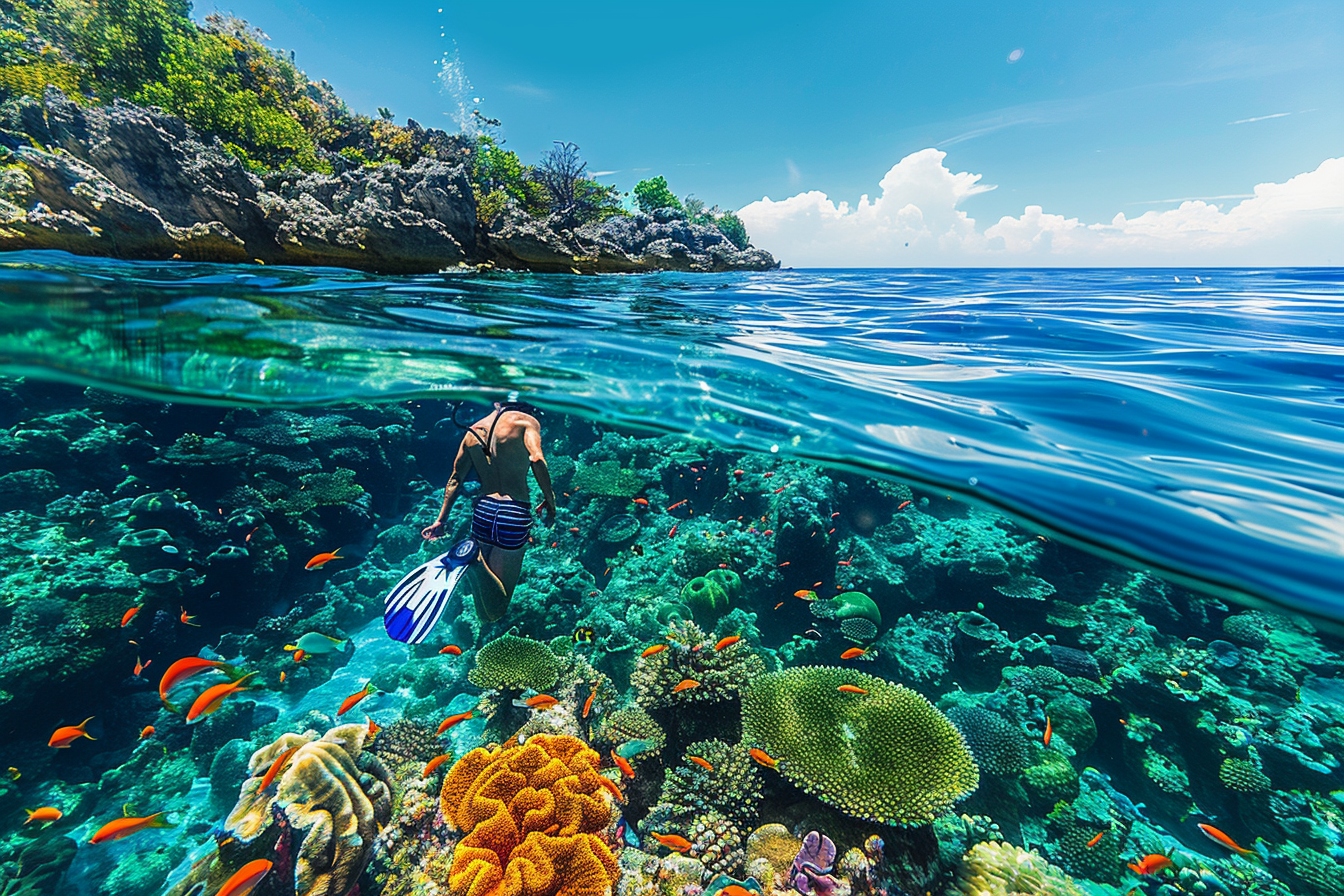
1033, 574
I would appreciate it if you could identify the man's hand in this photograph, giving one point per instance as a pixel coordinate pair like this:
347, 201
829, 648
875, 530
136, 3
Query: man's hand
547, 508
432, 533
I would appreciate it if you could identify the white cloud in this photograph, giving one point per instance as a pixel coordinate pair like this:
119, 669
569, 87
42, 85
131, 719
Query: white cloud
916, 221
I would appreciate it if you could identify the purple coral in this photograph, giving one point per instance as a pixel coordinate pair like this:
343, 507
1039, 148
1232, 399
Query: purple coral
812, 866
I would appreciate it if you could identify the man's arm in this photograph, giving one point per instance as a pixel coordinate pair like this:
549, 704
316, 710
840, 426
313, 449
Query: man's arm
461, 467
532, 441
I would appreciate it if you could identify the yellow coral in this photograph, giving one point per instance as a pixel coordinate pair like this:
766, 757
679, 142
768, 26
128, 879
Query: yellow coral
531, 813
995, 868
774, 844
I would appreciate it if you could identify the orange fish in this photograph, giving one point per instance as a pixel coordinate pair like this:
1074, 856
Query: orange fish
147, 731
128, 616
322, 559
676, 505
650, 651
805, 594
541, 701
735, 890
623, 764
64, 737
851, 689
685, 685
588, 704
140, 667
124, 827
277, 766
212, 697
282, 676
853, 653
727, 642
1096, 839
611, 786
435, 763
1222, 839
642, 502
763, 758
245, 879
673, 530
1151, 864
46, 814
451, 650
702, 762
183, 669
187, 620
374, 727
784, 564
1049, 732
778, 605
350, 702
454, 720
739, 473
300, 655
673, 842
902, 505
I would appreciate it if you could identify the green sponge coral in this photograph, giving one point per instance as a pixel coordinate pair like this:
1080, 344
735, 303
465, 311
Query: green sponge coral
707, 599
886, 755
516, 663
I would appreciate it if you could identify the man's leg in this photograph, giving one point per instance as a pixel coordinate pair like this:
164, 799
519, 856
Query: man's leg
493, 580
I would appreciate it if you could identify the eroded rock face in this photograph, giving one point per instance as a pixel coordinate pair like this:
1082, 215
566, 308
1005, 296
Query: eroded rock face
129, 182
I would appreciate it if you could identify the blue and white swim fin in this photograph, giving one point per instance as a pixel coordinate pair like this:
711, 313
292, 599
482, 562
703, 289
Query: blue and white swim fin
414, 606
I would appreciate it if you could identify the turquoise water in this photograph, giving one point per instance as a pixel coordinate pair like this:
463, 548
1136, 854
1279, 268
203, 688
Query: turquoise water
1164, 444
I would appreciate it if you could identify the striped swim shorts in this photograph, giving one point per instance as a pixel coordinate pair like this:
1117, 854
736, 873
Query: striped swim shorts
501, 522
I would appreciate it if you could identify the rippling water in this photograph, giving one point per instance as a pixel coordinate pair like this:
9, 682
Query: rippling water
1191, 420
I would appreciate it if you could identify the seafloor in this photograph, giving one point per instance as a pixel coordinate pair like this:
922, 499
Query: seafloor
879, 728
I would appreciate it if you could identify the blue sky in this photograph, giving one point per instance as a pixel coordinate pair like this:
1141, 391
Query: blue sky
1111, 107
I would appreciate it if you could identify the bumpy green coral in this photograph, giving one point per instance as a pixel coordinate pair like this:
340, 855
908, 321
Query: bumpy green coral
1243, 776
1164, 773
1317, 869
1073, 722
690, 656
707, 599
887, 755
1051, 779
513, 662
717, 843
999, 747
607, 478
1072, 829
1001, 869
732, 788
630, 731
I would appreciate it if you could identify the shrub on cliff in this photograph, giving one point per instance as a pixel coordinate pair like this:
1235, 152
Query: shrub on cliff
653, 194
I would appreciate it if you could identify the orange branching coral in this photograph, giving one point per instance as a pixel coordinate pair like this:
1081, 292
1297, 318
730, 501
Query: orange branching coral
532, 814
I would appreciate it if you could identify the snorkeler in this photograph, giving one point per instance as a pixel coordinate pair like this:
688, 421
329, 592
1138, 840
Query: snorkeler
501, 447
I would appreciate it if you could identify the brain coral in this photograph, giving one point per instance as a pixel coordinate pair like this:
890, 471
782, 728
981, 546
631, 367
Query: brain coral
532, 814
887, 755
517, 663
1001, 869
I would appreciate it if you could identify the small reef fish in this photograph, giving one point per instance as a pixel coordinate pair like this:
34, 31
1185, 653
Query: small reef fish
642, 502
1095, 839
147, 731
300, 655
623, 764
320, 560
14, 773
780, 489
139, 667
763, 758
588, 704
805, 594
1049, 732
778, 605
650, 651
128, 616
276, 767
673, 507
124, 827
350, 702
1151, 864
727, 642
739, 473
673, 842
435, 763
1223, 840
851, 689
187, 620
454, 720
611, 786
702, 762
451, 650
282, 676
44, 815
685, 685
853, 653
316, 644
540, 702
245, 879
735, 890
584, 635
673, 530
65, 736
212, 697
901, 506
183, 669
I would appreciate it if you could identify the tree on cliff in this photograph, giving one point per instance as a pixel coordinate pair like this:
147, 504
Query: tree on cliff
575, 199
653, 194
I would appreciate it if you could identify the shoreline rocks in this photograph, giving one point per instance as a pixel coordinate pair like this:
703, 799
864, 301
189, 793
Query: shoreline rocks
129, 182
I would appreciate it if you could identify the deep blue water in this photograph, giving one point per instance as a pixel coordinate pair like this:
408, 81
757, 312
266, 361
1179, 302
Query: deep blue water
1189, 419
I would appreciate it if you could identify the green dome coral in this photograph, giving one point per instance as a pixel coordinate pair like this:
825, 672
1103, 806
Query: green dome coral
516, 663
707, 599
728, 580
887, 756
857, 615
630, 731
1051, 779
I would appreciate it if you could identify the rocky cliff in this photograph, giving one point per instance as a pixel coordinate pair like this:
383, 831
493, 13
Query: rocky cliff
130, 182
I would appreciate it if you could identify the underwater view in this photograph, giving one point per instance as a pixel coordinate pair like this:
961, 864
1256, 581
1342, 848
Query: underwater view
959, 583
